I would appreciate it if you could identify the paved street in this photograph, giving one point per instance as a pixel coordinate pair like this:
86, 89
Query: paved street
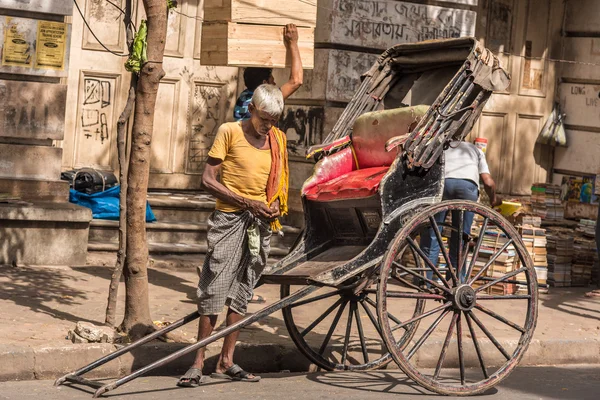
565, 383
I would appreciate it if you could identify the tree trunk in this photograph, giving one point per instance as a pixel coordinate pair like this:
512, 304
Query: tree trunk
111, 307
113, 291
137, 321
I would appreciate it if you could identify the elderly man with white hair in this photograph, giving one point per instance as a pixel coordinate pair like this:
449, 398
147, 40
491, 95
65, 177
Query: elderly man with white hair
247, 171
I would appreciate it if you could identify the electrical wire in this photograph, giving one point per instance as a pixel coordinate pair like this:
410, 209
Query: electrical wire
94, 35
115, 6
122, 12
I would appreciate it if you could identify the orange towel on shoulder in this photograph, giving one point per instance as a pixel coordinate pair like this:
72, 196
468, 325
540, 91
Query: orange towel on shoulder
278, 182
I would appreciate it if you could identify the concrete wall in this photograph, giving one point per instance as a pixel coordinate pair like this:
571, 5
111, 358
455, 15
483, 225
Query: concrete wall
580, 90
39, 226
32, 99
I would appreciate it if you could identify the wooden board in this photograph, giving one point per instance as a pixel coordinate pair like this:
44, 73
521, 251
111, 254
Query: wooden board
273, 12
241, 45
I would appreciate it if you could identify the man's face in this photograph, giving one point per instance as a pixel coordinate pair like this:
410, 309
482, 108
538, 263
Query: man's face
261, 121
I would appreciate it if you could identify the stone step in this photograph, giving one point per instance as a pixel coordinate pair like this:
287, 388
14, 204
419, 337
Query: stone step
17, 161
184, 207
43, 233
156, 232
36, 189
171, 248
175, 232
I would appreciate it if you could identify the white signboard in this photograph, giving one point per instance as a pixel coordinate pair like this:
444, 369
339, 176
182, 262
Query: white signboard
382, 24
581, 103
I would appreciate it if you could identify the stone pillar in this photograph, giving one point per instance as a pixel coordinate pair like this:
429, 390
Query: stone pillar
37, 223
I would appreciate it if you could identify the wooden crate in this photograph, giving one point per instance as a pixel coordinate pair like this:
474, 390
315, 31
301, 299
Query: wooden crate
272, 12
241, 45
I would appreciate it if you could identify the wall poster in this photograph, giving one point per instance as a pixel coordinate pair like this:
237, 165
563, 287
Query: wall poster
18, 48
51, 44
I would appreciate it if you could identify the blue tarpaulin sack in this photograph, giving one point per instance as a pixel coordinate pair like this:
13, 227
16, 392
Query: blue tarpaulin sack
104, 205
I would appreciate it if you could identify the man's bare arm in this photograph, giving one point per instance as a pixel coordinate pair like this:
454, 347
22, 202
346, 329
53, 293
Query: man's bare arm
217, 189
297, 74
490, 188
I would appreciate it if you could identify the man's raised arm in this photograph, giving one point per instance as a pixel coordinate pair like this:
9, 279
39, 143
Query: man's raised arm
290, 38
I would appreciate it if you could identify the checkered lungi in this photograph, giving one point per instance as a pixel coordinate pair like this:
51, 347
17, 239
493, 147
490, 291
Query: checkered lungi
230, 273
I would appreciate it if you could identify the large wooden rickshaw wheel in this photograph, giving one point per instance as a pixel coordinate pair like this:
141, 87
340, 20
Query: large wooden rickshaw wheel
484, 297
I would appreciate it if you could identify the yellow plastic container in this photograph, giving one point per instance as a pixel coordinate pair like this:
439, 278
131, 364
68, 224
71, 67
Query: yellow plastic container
508, 208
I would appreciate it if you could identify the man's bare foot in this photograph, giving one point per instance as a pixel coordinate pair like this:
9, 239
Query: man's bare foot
593, 293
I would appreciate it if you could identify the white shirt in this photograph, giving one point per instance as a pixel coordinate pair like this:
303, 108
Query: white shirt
465, 161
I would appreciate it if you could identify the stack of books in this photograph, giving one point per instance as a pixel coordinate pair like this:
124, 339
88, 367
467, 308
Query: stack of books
584, 256
546, 202
587, 227
560, 254
535, 242
493, 241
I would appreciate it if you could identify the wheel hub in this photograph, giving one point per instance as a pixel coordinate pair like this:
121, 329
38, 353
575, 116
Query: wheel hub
464, 298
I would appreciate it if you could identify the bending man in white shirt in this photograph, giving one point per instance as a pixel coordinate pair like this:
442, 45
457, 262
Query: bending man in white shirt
465, 166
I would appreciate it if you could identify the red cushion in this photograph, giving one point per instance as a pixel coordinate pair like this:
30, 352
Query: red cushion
352, 185
329, 168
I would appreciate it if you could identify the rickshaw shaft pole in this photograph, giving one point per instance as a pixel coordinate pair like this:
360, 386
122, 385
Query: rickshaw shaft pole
212, 338
109, 357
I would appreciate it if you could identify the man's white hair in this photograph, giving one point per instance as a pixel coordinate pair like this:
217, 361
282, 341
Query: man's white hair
269, 99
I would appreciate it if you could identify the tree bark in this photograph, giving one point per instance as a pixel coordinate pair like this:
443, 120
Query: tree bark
111, 307
137, 321
113, 291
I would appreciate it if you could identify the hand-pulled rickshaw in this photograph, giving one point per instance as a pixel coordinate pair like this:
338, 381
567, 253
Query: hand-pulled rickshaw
377, 185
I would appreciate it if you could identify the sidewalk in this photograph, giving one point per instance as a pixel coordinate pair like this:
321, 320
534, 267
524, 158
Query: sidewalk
40, 305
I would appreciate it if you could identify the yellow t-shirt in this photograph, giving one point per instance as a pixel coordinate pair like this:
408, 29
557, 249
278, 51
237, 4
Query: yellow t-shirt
245, 169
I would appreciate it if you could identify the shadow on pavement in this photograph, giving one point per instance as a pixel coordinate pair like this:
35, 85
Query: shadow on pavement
556, 382
34, 288
573, 302
155, 278
370, 381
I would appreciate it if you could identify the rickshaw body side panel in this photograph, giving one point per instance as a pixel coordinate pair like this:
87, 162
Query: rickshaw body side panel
402, 192
369, 222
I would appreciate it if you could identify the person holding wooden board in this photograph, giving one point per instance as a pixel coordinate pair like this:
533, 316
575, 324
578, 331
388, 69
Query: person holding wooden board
254, 77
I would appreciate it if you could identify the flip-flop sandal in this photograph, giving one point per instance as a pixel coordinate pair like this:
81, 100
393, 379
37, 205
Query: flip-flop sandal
192, 378
236, 373
259, 300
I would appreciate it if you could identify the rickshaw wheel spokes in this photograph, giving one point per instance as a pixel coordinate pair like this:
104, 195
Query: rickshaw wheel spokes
350, 337
458, 349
